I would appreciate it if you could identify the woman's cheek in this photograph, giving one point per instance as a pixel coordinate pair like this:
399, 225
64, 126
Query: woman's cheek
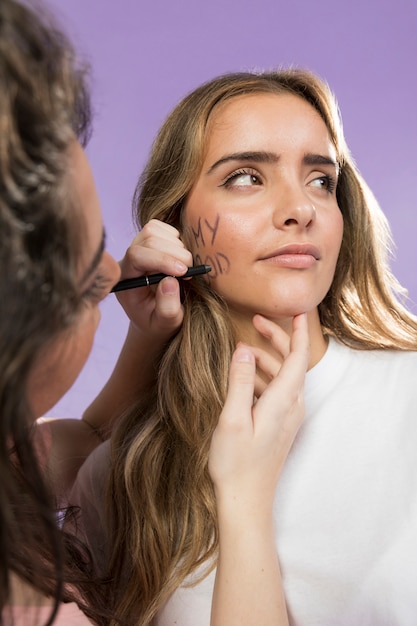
207, 244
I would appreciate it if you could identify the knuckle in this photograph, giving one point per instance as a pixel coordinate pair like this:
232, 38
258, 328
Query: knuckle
131, 254
148, 233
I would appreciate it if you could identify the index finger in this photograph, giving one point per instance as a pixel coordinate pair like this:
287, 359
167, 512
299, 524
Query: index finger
286, 387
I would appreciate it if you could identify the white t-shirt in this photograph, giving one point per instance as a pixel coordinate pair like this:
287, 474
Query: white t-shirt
346, 504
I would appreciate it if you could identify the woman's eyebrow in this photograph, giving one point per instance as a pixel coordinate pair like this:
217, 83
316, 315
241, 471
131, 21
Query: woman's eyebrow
319, 159
272, 157
96, 259
256, 157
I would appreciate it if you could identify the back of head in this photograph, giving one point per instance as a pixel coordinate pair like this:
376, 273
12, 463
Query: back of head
44, 106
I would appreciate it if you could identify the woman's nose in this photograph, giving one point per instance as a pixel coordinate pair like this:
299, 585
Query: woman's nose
294, 209
113, 268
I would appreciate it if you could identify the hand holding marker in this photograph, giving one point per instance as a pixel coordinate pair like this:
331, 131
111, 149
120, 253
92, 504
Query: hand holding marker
153, 279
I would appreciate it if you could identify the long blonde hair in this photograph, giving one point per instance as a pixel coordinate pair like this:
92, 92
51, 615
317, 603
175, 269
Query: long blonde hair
163, 515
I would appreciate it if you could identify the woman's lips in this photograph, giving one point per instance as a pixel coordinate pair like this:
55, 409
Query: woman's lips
297, 256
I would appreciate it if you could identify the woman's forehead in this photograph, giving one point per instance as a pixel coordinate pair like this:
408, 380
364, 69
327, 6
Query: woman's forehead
245, 118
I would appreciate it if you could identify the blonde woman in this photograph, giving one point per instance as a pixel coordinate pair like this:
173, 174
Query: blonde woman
227, 490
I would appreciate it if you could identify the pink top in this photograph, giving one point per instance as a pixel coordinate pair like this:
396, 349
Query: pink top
68, 615
43, 441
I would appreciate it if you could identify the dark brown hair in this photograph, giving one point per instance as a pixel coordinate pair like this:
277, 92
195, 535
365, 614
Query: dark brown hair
44, 107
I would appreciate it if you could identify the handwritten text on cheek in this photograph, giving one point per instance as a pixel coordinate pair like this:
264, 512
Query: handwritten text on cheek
205, 236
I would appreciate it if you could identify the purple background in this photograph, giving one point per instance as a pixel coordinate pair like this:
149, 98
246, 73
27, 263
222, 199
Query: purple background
148, 55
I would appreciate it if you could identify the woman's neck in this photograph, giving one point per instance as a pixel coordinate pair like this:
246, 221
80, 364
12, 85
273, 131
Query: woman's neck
246, 332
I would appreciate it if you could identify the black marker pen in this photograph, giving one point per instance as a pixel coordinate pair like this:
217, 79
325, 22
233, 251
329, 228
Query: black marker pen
153, 279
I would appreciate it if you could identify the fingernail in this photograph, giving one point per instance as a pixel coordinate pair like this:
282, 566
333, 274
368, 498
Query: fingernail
180, 267
243, 354
169, 286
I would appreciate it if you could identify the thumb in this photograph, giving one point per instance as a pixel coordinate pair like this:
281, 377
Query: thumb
168, 307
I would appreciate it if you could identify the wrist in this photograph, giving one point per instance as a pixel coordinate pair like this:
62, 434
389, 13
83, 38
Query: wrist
245, 515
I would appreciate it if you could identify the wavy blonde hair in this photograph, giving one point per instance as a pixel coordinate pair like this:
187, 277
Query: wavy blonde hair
162, 507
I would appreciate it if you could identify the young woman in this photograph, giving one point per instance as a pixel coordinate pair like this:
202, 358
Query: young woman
297, 523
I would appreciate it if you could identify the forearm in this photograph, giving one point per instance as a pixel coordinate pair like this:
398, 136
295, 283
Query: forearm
132, 375
156, 314
64, 444
248, 588
248, 451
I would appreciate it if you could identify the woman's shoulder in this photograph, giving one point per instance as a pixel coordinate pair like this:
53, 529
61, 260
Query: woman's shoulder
88, 501
344, 366
382, 356
98, 459
92, 475
68, 615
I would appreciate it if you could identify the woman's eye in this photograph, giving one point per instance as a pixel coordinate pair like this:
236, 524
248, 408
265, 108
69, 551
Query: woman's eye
242, 178
324, 182
245, 180
98, 289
